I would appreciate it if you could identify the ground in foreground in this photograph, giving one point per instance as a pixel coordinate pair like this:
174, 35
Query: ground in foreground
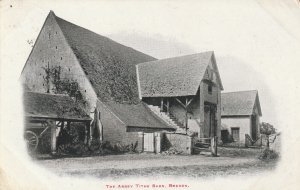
230, 162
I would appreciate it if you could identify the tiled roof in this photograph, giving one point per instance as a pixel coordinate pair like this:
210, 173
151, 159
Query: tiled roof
109, 66
177, 76
52, 106
137, 115
239, 103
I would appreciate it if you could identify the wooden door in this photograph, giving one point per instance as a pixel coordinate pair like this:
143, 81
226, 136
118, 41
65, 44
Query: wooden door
210, 120
148, 142
207, 122
235, 134
253, 127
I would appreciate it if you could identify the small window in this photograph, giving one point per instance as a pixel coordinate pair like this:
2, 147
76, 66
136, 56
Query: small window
209, 89
60, 58
55, 47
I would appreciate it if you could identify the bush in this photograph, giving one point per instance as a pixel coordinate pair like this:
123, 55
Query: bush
268, 155
71, 141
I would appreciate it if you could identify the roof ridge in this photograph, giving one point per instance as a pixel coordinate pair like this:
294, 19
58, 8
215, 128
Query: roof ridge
176, 57
98, 35
239, 91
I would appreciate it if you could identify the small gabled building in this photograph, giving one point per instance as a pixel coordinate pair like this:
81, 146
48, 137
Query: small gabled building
241, 114
184, 90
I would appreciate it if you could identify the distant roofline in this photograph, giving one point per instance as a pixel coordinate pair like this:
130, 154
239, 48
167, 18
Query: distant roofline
181, 56
240, 91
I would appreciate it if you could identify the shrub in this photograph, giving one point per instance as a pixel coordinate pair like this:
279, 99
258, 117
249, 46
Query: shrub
268, 155
71, 141
267, 129
120, 148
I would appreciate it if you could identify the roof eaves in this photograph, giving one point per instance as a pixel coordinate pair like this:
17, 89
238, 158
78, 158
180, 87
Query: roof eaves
218, 74
258, 104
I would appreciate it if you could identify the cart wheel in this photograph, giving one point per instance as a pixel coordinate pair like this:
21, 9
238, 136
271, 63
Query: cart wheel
32, 140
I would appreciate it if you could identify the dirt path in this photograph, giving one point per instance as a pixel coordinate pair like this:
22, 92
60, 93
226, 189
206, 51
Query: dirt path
137, 161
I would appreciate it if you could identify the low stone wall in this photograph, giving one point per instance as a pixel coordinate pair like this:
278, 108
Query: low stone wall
180, 142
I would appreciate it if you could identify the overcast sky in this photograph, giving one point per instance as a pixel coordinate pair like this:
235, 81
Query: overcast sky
256, 43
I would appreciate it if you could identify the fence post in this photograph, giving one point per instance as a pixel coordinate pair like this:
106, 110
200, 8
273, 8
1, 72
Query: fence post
141, 140
260, 141
53, 137
157, 142
213, 145
190, 145
246, 141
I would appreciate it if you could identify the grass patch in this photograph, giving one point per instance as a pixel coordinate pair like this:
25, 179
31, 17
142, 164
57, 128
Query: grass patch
268, 155
238, 152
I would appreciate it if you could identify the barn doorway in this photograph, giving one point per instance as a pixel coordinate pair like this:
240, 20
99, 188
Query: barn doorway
148, 142
253, 127
210, 120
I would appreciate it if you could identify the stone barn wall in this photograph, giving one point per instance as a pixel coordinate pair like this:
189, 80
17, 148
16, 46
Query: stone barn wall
51, 48
180, 142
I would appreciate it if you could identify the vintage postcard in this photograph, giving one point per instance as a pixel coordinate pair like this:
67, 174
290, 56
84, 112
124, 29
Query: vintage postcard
170, 95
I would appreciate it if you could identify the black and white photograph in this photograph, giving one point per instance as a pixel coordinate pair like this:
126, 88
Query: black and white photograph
149, 94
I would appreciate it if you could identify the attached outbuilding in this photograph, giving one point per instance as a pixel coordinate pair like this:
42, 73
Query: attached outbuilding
51, 113
240, 115
184, 90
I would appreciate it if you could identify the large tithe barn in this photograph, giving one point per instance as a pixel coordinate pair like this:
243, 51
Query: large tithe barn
128, 94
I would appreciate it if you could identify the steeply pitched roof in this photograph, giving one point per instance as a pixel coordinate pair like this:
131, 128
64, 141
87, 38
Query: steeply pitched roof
240, 103
137, 115
110, 66
52, 106
177, 76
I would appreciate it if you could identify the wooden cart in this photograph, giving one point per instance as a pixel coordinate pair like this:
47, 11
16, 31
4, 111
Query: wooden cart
34, 133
